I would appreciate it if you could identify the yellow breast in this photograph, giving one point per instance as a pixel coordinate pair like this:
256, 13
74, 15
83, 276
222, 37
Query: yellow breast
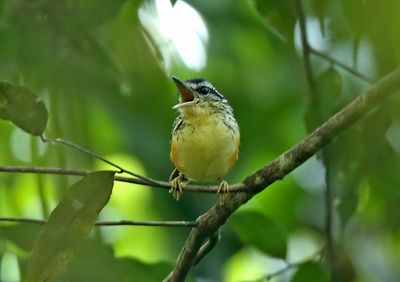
205, 149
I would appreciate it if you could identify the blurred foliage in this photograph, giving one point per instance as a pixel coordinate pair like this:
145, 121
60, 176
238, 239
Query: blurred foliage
266, 235
310, 272
105, 86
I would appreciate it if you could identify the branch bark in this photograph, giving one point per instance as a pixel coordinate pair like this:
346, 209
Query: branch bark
212, 220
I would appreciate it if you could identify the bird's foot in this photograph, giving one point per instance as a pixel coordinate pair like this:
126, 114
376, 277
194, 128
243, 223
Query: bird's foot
176, 187
223, 191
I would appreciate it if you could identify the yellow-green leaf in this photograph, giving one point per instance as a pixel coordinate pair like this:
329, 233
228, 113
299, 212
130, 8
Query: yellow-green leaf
21, 106
69, 223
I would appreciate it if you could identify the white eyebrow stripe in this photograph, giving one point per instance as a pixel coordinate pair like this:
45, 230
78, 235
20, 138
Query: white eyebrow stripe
198, 83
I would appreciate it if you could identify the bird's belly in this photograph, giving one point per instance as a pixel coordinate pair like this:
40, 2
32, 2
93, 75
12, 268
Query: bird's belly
206, 152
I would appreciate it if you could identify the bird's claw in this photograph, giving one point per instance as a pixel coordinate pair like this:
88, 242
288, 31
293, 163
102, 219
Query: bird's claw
176, 187
223, 191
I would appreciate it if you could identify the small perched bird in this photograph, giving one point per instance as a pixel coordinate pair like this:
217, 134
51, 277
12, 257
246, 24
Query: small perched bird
205, 136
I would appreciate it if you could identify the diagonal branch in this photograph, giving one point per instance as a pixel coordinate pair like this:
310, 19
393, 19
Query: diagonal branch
96, 156
340, 64
212, 220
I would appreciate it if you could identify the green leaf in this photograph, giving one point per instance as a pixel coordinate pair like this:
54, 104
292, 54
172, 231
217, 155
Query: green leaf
396, 44
69, 223
22, 235
319, 7
260, 231
96, 262
328, 87
310, 272
21, 106
356, 15
348, 203
279, 16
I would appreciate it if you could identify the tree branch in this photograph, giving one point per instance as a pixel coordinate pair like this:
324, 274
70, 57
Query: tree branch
154, 183
340, 64
96, 156
110, 223
212, 220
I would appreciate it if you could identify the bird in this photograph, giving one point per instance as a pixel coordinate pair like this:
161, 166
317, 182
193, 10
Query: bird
205, 136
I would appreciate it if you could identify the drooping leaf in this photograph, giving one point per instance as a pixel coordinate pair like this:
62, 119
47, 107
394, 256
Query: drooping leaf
329, 87
348, 192
69, 223
328, 90
355, 13
21, 106
310, 271
262, 232
319, 7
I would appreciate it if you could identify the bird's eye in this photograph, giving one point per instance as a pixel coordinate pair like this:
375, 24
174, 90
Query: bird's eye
204, 90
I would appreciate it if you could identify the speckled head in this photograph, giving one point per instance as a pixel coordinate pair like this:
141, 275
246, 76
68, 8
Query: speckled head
196, 91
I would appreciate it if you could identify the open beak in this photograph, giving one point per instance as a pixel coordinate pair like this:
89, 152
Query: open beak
187, 96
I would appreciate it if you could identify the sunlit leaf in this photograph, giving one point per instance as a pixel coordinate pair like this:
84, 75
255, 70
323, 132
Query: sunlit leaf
310, 271
69, 223
260, 231
21, 106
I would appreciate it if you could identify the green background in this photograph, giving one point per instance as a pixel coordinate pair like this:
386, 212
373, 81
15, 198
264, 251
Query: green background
106, 88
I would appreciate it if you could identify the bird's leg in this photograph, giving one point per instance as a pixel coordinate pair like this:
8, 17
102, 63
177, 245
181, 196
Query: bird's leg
223, 190
176, 180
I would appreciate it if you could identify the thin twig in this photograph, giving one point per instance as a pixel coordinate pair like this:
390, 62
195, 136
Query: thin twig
207, 247
330, 248
110, 223
340, 64
234, 188
314, 108
291, 266
94, 155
